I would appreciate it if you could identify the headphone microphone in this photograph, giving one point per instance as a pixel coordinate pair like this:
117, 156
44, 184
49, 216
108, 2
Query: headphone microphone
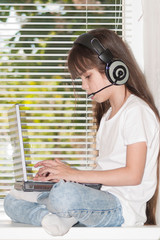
94, 93
116, 70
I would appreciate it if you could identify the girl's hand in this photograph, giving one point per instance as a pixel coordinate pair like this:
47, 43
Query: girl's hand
54, 170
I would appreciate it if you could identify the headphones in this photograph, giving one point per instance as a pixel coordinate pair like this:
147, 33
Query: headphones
116, 70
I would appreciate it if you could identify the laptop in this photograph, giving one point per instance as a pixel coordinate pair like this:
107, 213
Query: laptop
20, 169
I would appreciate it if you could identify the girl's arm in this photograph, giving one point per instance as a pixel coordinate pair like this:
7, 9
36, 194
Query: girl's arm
131, 174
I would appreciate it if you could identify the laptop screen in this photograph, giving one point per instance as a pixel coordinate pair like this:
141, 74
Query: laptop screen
16, 140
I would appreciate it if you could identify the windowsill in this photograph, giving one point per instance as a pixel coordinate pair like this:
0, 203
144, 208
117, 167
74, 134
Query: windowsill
17, 231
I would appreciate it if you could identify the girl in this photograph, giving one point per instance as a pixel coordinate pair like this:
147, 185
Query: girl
127, 140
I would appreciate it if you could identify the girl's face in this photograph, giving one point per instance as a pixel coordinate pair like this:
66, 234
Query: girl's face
92, 81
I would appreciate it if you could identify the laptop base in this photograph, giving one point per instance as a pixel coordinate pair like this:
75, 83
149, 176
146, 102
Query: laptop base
30, 186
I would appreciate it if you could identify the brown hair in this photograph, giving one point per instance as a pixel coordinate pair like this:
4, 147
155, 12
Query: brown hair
81, 59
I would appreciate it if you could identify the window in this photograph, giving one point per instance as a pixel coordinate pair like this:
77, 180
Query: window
34, 41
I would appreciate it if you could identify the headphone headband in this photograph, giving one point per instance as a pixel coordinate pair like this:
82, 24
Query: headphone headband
94, 44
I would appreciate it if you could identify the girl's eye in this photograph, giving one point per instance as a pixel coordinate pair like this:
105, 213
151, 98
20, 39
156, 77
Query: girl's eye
87, 76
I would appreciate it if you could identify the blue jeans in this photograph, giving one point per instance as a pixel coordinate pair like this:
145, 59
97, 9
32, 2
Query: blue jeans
90, 207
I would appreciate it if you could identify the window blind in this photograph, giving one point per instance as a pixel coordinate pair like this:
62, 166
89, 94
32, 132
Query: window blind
56, 116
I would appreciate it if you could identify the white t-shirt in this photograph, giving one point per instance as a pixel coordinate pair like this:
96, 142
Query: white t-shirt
134, 122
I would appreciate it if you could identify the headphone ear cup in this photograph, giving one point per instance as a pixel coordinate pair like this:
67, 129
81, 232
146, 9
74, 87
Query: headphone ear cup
117, 72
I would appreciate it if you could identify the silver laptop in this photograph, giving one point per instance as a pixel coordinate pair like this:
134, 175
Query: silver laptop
21, 179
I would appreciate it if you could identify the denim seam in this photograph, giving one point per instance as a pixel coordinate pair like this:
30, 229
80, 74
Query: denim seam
75, 210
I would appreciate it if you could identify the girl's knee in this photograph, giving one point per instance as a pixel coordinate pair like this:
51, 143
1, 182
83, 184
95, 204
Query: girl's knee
64, 197
10, 205
7, 201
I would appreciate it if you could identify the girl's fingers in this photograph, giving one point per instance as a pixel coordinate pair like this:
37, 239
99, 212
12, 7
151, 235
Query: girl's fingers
50, 177
47, 163
44, 171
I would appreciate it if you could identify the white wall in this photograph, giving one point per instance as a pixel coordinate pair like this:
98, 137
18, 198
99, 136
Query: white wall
133, 18
151, 31
142, 32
